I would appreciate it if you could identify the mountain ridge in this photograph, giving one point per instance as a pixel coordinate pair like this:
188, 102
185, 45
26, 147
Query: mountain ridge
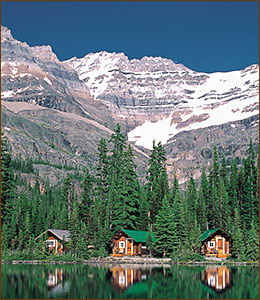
151, 98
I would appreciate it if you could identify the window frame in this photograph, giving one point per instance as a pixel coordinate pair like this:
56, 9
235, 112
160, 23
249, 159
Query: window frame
50, 243
213, 244
121, 244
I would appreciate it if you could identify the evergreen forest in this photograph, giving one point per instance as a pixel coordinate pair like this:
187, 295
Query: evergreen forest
94, 205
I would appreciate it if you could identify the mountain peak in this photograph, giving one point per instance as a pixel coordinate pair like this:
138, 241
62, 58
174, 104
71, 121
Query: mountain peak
5, 34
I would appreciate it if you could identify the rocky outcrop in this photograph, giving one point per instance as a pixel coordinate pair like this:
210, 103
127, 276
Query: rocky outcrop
35, 75
58, 111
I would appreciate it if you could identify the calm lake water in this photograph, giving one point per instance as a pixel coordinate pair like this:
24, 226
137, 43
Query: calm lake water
132, 282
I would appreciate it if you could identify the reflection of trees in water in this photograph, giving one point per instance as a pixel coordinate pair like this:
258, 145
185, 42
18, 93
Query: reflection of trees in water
90, 282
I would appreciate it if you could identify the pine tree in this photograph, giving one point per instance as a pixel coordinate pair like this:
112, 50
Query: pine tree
83, 242
178, 211
213, 205
68, 192
165, 230
143, 210
74, 228
86, 198
157, 185
203, 196
4, 237
252, 249
7, 183
238, 246
224, 208
149, 241
126, 215
103, 170
194, 237
174, 190
247, 203
118, 141
233, 188
191, 200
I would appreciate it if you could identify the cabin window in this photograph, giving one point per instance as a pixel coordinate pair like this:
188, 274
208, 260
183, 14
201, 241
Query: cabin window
211, 244
121, 244
50, 243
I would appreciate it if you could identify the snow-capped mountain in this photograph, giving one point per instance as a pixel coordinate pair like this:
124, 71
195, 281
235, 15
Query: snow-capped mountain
165, 97
58, 111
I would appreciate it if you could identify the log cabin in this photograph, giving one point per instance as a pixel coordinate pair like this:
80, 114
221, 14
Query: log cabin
216, 243
54, 240
130, 242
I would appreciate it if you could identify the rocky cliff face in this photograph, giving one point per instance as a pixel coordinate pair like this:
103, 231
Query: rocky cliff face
157, 98
57, 111
35, 75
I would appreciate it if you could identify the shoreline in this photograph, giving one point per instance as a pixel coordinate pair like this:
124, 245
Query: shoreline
132, 261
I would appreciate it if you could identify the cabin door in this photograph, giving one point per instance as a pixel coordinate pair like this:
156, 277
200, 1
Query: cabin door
129, 247
220, 246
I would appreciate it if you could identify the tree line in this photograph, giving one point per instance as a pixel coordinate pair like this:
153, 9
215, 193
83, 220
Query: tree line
95, 206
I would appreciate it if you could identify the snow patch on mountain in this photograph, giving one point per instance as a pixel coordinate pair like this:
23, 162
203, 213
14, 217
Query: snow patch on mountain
163, 130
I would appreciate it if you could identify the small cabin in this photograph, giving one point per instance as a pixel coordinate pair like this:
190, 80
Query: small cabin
216, 243
54, 240
130, 242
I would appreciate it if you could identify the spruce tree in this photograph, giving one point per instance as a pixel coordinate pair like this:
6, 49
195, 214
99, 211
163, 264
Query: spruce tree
203, 196
7, 183
68, 192
238, 245
252, 242
157, 185
165, 230
74, 228
86, 198
178, 211
194, 237
127, 215
191, 200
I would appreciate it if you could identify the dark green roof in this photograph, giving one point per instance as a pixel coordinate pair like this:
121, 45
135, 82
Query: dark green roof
208, 233
138, 236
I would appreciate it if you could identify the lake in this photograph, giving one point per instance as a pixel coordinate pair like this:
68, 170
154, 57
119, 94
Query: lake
128, 281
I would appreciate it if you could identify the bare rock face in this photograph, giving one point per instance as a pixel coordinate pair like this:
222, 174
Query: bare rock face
189, 151
35, 75
58, 111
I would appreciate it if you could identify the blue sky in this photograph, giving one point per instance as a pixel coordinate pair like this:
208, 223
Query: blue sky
204, 36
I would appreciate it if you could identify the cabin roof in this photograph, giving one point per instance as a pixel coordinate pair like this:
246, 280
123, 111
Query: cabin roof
209, 232
58, 233
138, 236
61, 233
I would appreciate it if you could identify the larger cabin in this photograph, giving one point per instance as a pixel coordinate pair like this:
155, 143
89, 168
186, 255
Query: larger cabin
216, 243
54, 240
130, 242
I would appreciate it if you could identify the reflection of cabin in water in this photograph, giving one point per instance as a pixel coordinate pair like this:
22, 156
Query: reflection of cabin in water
130, 242
54, 278
54, 239
56, 284
217, 278
122, 278
216, 243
